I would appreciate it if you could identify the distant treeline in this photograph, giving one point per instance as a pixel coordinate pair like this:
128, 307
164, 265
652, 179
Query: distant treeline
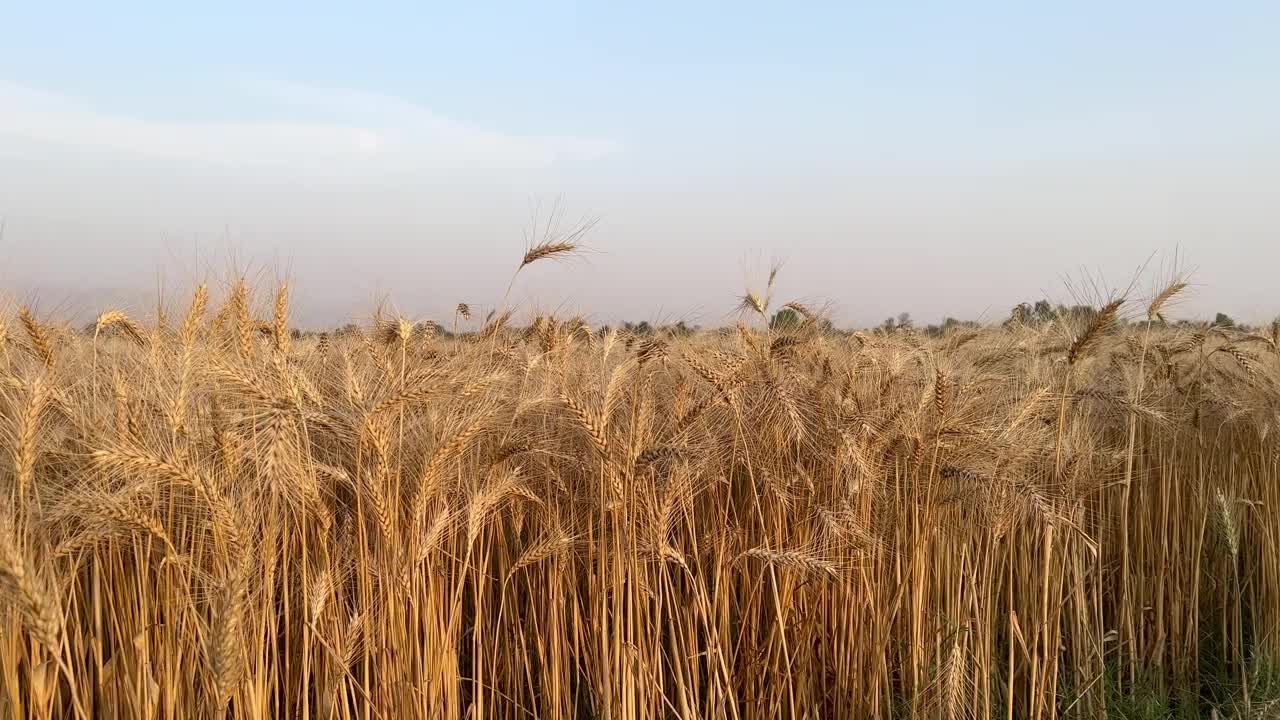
1040, 312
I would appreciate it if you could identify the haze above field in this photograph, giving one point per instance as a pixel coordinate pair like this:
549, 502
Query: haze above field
935, 159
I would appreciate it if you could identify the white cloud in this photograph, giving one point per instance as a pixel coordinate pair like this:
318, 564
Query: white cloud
361, 131
367, 140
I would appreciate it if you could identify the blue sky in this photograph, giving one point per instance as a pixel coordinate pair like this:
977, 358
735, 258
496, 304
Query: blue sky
881, 149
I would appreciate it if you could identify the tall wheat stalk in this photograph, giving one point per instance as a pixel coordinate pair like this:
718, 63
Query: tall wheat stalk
223, 520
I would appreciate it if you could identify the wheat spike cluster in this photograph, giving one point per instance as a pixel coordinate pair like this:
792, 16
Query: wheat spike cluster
533, 518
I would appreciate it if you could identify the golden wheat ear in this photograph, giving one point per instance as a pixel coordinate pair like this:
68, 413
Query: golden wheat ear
556, 244
41, 340
752, 301
1093, 332
546, 250
34, 598
1163, 298
195, 314
280, 324
118, 319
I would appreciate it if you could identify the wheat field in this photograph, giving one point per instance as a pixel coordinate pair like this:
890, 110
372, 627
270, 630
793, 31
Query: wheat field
213, 516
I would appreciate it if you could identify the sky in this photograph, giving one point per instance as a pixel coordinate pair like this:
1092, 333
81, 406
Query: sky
932, 158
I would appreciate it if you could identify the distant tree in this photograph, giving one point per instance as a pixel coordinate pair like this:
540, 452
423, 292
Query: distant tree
1223, 320
1082, 313
642, 328
949, 324
1021, 313
680, 329
1038, 313
904, 321
784, 319
888, 325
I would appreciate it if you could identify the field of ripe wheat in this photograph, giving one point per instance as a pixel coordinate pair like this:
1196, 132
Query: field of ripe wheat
214, 516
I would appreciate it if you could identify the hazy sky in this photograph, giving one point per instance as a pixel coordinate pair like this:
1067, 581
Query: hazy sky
937, 158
